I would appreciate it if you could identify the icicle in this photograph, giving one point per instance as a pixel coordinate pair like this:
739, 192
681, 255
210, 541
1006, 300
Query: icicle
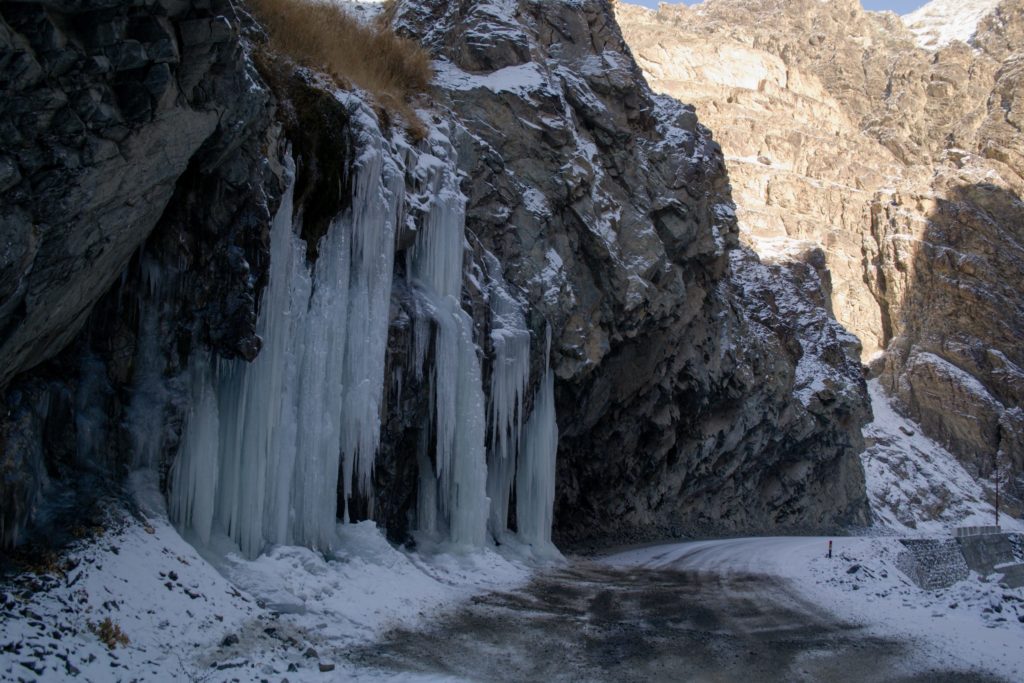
456, 379
145, 414
535, 478
377, 210
245, 458
510, 375
90, 411
194, 473
466, 483
427, 489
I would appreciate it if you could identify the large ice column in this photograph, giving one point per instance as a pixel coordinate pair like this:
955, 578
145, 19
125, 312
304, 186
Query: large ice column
307, 410
235, 466
194, 473
510, 375
535, 475
457, 397
369, 310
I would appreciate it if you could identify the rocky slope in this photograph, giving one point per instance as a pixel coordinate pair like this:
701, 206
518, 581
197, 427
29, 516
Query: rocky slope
696, 389
902, 162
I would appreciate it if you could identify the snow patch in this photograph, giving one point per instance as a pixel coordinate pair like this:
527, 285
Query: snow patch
280, 615
916, 486
535, 202
521, 80
553, 279
940, 22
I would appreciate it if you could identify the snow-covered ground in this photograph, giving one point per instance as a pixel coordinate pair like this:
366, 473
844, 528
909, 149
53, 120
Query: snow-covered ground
974, 624
940, 22
364, 10
917, 487
291, 612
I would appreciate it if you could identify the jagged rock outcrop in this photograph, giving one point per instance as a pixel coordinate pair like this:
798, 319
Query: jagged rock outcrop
609, 209
697, 389
106, 105
902, 163
122, 122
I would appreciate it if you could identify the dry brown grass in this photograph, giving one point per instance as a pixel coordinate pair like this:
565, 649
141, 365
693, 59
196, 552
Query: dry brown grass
325, 37
388, 12
109, 633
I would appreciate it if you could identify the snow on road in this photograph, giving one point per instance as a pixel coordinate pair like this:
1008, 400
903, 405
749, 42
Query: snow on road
957, 627
292, 610
217, 616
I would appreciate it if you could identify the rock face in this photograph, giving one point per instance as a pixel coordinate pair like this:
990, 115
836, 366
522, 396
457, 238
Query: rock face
106, 105
122, 122
902, 163
697, 389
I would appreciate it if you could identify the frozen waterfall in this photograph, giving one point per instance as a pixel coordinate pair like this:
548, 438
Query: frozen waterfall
510, 375
519, 459
269, 445
265, 442
535, 476
453, 494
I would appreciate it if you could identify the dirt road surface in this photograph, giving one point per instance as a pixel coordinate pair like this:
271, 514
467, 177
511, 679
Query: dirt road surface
591, 622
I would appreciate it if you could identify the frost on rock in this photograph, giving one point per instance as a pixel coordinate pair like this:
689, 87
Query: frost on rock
791, 290
964, 380
552, 281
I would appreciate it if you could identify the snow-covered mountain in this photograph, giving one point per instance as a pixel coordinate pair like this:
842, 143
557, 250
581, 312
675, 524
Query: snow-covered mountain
940, 22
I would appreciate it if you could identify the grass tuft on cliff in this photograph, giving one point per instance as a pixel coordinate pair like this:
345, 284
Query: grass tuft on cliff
323, 36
